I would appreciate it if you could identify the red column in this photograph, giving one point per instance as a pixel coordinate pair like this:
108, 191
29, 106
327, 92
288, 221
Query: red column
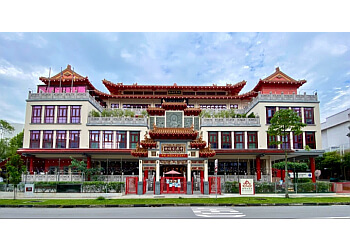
312, 167
31, 165
258, 168
202, 174
146, 174
88, 162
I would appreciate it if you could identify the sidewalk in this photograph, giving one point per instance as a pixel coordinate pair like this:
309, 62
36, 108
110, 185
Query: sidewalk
21, 195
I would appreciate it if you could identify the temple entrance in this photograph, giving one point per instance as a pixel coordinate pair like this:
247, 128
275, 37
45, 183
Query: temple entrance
173, 180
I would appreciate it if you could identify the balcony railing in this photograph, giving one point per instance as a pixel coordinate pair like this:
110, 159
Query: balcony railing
222, 122
65, 96
132, 121
280, 98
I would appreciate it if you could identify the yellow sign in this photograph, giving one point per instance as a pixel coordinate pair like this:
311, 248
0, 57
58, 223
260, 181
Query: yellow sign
173, 148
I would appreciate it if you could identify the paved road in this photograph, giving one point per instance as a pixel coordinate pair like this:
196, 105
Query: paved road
203, 212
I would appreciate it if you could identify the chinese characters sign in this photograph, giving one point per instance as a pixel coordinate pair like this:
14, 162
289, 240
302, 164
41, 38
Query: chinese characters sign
246, 186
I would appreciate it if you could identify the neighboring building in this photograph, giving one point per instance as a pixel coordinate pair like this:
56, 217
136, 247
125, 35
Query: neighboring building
334, 132
60, 123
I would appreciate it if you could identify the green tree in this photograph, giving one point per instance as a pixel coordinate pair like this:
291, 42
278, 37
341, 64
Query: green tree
5, 127
15, 167
346, 163
283, 121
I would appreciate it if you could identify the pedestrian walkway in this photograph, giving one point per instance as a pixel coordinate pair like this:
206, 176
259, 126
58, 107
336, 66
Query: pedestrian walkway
20, 195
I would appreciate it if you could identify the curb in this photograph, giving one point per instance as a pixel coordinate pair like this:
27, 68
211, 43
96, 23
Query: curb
176, 205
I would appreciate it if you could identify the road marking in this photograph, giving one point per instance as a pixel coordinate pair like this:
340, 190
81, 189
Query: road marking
217, 212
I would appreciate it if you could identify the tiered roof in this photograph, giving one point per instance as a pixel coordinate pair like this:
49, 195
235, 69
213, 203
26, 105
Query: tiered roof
173, 133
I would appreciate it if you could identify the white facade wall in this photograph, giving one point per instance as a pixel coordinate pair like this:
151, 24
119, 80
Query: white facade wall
335, 129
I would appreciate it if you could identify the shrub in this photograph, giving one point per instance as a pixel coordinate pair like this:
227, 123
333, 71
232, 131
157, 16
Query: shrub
323, 187
306, 188
94, 113
264, 187
100, 198
231, 187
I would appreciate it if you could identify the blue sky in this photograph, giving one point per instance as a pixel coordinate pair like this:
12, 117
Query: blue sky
187, 58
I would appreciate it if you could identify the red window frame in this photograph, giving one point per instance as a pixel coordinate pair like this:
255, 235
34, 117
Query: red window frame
49, 114
36, 114
226, 141
297, 141
74, 137
271, 138
297, 110
309, 115
94, 139
252, 139
121, 139
47, 138
34, 139
213, 139
107, 139
134, 138
285, 141
310, 139
62, 113
61, 138
239, 140
270, 111
75, 113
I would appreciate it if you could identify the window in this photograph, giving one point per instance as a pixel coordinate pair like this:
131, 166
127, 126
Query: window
281, 108
252, 139
34, 139
285, 141
297, 141
74, 137
270, 111
297, 110
213, 139
134, 138
47, 139
135, 106
309, 115
114, 105
49, 114
271, 138
94, 139
239, 140
310, 139
36, 114
62, 114
226, 140
234, 106
61, 139
75, 114
121, 139
107, 139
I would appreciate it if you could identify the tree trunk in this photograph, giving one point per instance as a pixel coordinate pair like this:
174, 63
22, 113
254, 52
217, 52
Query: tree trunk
286, 174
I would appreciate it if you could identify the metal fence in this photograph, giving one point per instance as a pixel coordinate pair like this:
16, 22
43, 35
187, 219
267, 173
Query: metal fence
275, 188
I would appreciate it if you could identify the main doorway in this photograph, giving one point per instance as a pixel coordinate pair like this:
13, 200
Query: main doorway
173, 180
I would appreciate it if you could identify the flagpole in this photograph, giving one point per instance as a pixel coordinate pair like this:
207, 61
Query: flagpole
49, 80
71, 88
60, 80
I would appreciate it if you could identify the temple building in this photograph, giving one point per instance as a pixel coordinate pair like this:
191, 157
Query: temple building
166, 136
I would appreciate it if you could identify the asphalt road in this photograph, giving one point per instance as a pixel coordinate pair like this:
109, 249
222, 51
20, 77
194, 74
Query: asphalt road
202, 212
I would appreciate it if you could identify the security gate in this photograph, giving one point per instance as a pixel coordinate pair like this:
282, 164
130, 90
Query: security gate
131, 185
173, 185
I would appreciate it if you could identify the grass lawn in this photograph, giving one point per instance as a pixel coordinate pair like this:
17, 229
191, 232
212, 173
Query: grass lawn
179, 201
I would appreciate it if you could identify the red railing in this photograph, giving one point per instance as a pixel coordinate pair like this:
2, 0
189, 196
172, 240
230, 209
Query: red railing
214, 186
341, 187
173, 185
131, 185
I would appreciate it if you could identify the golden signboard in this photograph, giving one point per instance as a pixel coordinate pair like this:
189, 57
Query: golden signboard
173, 148
174, 92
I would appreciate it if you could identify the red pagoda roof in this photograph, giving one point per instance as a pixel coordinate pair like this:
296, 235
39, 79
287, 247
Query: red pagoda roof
148, 142
174, 105
198, 143
116, 89
278, 78
139, 152
192, 111
206, 152
173, 133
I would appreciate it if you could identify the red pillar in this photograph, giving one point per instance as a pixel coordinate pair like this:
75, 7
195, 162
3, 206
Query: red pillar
312, 167
31, 165
146, 174
88, 162
202, 174
258, 168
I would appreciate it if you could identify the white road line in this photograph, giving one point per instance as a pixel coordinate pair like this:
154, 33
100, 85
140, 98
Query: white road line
217, 212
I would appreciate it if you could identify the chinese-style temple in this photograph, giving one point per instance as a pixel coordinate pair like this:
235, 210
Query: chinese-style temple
184, 129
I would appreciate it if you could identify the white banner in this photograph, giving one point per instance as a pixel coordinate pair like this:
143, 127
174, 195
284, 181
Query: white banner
301, 175
246, 186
